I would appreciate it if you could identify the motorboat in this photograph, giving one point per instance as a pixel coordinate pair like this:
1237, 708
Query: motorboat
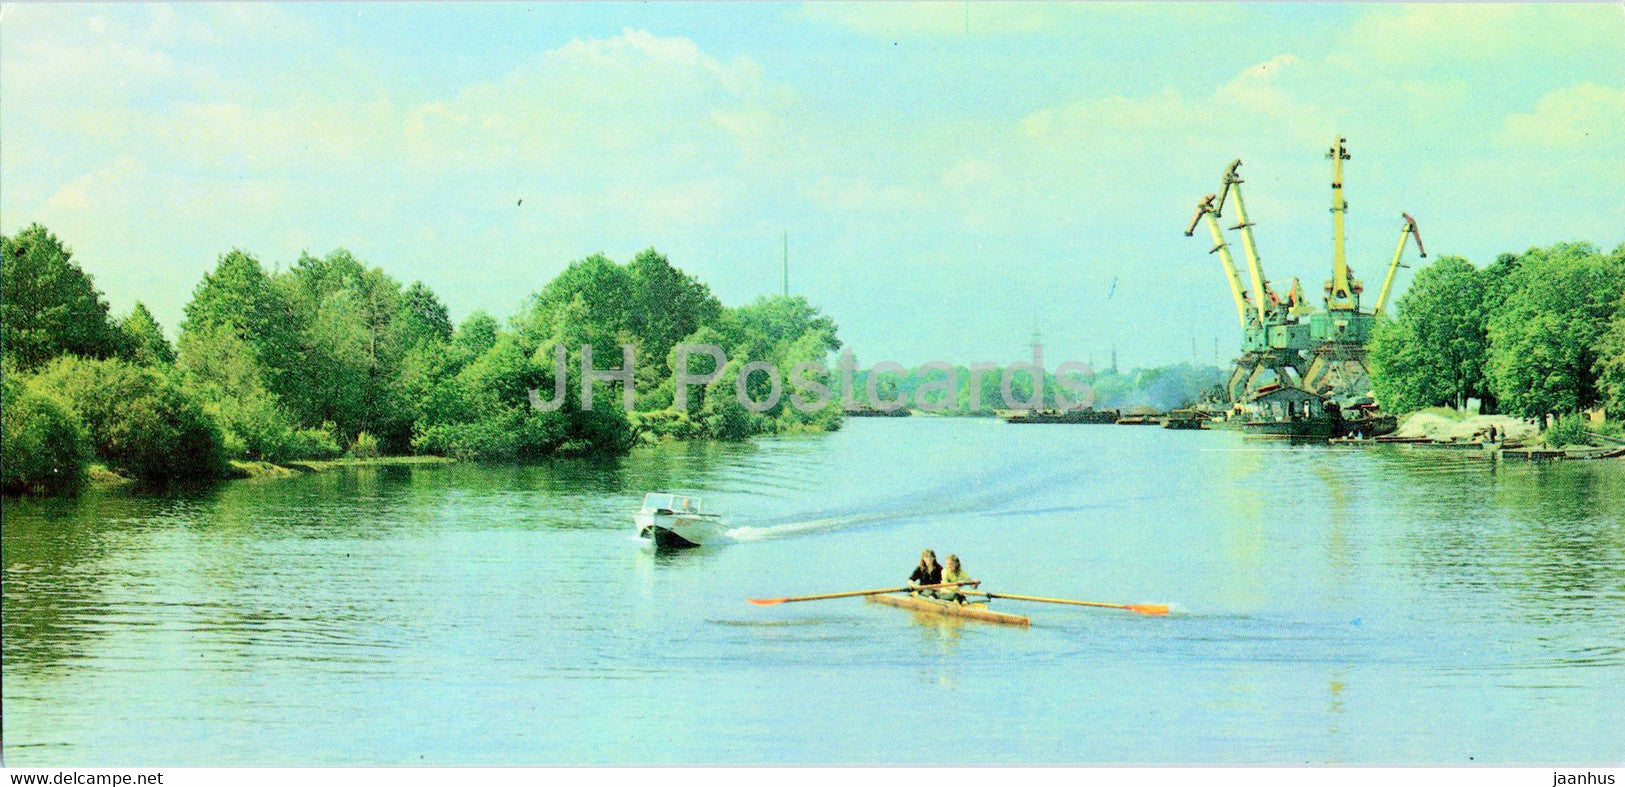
674, 521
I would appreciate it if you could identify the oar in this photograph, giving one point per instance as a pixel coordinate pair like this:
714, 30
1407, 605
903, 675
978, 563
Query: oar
770, 601
1143, 609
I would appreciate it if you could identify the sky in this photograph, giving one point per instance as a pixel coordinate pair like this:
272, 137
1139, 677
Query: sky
950, 175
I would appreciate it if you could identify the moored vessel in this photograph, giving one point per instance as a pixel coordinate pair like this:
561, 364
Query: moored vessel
1082, 416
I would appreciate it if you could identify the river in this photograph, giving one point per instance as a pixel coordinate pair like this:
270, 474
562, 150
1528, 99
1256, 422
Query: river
1330, 606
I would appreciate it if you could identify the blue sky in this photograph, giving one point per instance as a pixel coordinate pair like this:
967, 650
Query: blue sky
950, 174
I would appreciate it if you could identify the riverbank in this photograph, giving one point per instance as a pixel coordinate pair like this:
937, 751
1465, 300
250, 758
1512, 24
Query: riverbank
1504, 436
100, 476
1438, 427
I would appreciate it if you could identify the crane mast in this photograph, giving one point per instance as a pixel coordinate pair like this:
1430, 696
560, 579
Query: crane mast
1339, 292
1255, 268
1206, 210
1405, 234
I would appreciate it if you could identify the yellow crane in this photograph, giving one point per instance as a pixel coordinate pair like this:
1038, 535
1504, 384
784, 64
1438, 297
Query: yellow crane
1207, 210
1255, 268
1340, 290
1405, 234
1298, 304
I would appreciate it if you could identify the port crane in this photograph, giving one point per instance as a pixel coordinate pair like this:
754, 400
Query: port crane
1255, 267
1342, 292
1273, 337
1338, 367
1206, 209
1410, 231
1322, 352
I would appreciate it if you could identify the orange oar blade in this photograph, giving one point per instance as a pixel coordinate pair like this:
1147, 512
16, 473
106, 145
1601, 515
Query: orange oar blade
1148, 609
767, 602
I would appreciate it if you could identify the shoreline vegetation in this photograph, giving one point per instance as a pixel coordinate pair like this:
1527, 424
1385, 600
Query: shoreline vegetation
331, 363
1538, 336
330, 359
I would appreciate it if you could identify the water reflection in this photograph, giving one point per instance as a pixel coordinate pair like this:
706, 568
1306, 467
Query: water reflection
1335, 752
50, 579
1552, 535
651, 557
1338, 600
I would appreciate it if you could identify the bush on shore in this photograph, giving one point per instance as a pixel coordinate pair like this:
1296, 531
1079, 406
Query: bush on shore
1569, 430
364, 447
138, 420
42, 444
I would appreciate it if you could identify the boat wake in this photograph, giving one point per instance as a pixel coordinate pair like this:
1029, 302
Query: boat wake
790, 529
986, 494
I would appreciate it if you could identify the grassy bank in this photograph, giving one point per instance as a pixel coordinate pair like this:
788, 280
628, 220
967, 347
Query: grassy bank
100, 476
376, 461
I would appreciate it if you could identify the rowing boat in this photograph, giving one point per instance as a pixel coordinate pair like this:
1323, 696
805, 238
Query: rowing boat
951, 609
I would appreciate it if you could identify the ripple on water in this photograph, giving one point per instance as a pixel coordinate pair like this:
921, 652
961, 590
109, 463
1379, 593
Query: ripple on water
1328, 604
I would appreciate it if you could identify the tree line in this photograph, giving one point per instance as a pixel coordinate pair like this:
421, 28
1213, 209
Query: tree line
1534, 334
332, 357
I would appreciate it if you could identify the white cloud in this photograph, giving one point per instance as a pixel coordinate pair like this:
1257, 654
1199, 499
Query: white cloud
899, 19
1585, 116
933, 19
624, 141
610, 138
101, 189
1427, 37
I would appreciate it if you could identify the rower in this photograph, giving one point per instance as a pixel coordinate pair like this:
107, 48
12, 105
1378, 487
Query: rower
954, 573
928, 572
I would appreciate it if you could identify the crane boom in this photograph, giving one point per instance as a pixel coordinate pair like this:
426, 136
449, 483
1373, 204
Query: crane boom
1405, 234
1339, 294
1207, 210
1255, 268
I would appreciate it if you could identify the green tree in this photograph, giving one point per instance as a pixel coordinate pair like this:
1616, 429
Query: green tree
42, 444
664, 305
779, 319
144, 339
49, 306
603, 429
240, 345
356, 330
140, 422
588, 299
810, 347
225, 371
364, 447
783, 331
476, 335
1544, 338
423, 318
1498, 281
722, 414
988, 398
341, 376
1611, 363
1434, 352
238, 296
482, 412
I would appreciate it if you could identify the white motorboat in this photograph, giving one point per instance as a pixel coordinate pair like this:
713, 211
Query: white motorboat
676, 521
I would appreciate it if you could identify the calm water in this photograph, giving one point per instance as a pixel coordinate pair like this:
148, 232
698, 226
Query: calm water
1331, 606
